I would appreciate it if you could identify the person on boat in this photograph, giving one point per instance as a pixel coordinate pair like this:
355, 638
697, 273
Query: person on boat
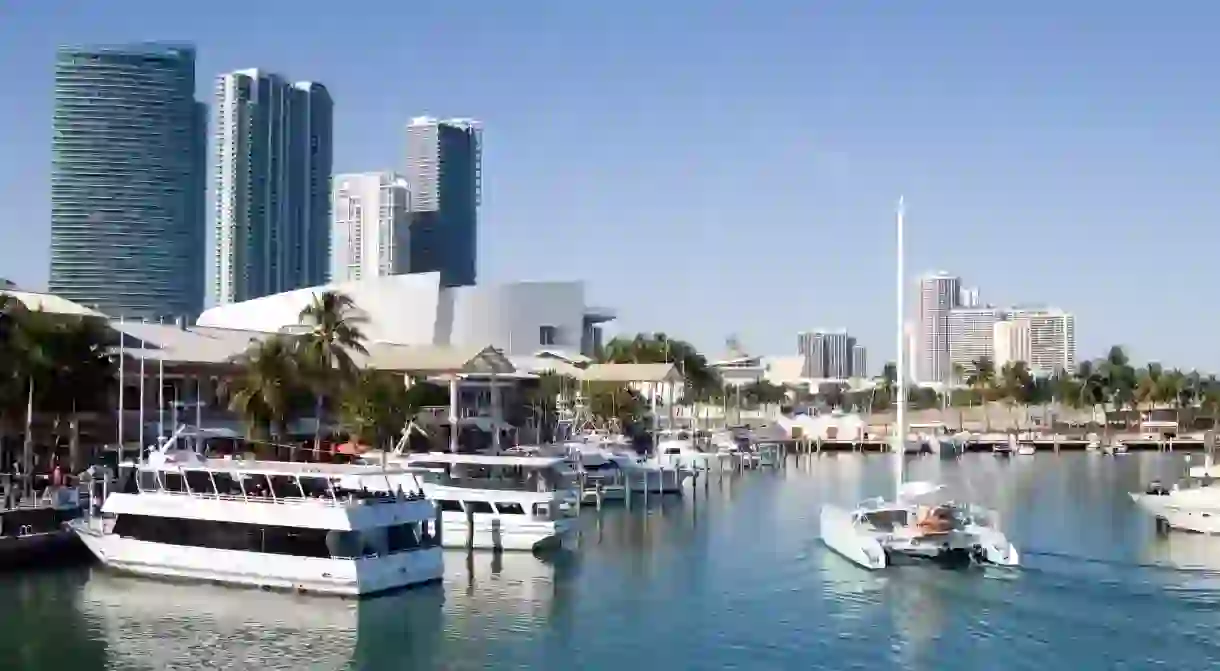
934, 520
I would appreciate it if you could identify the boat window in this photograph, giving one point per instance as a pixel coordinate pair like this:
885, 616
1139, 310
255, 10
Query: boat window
223, 535
315, 487
542, 511
510, 508
286, 487
480, 507
886, 519
200, 482
148, 481
449, 506
673, 450
256, 484
343, 543
172, 482
226, 484
403, 537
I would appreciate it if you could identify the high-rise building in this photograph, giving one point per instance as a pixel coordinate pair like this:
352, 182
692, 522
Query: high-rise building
968, 297
971, 333
826, 354
444, 168
859, 361
938, 295
370, 235
1052, 338
273, 150
128, 159
1010, 342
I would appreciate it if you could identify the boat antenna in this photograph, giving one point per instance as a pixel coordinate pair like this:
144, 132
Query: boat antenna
900, 433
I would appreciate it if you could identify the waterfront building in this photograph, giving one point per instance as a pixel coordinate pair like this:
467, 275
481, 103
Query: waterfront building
444, 168
128, 181
968, 297
971, 334
520, 319
370, 230
273, 153
1052, 338
1010, 342
938, 295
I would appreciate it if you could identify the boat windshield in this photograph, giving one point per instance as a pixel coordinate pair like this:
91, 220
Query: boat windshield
502, 477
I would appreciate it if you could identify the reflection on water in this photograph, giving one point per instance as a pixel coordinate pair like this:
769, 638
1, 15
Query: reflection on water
737, 579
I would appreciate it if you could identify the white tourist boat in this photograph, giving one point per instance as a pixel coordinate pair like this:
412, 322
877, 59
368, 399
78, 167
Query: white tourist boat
1192, 504
675, 448
618, 468
322, 528
878, 533
515, 502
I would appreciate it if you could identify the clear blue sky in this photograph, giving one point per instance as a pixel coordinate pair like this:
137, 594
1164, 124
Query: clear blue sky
717, 168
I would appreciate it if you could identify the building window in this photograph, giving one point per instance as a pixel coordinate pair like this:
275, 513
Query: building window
547, 335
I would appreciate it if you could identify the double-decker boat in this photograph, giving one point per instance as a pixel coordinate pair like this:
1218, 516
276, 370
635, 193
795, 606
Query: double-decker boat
322, 528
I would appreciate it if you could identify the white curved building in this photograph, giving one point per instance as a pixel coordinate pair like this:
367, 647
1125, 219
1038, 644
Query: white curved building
518, 318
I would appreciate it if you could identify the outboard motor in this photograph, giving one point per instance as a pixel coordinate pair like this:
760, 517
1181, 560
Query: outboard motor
1155, 488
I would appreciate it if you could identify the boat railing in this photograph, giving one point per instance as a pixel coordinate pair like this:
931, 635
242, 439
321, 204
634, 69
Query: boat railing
340, 501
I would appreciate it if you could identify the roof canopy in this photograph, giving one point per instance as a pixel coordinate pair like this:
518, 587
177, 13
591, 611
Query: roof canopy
203, 346
630, 372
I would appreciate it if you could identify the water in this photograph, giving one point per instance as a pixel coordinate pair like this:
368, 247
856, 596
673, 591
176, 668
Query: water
737, 581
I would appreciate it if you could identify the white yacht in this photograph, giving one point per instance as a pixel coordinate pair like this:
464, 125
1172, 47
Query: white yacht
275, 525
515, 502
677, 449
1193, 504
878, 532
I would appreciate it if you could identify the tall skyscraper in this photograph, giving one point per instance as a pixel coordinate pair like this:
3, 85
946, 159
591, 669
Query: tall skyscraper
938, 294
971, 334
127, 180
1052, 338
444, 168
370, 236
273, 147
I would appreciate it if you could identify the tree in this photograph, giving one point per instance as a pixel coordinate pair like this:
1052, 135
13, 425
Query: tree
326, 350
1015, 385
265, 390
609, 402
701, 379
376, 408
763, 392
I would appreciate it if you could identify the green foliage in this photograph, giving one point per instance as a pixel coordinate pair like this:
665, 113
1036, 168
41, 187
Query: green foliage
611, 401
377, 407
701, 379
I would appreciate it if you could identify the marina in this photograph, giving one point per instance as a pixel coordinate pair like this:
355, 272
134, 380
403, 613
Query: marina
740, 579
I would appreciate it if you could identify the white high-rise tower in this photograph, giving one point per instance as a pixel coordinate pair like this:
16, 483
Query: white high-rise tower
938, 295
370, 230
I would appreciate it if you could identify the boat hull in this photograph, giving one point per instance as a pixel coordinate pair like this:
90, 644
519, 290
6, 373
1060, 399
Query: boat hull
843, 537
492, 533
337, 577
1194, 519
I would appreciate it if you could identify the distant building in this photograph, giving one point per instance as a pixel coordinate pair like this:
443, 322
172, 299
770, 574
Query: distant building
859, 361
128, 164
938, 295
827, 354
273, 157
370, 231
444, 168
971, 333
1010, 342
1052, 338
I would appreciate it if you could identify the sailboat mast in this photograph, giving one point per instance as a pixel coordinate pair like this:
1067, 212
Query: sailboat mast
900, 433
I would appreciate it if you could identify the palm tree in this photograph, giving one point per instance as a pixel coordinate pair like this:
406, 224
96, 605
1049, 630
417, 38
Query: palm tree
981, 379
264, 390
375, 407
1016, 385
326, 350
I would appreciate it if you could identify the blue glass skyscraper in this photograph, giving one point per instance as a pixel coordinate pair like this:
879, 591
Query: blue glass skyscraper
128, 176
444, 169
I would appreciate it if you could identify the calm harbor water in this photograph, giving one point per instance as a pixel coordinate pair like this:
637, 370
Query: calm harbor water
737, 580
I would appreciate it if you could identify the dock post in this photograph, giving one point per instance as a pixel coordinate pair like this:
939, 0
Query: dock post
645, 488
597, 492
1055, 437
469, 526
626, 478
436, 533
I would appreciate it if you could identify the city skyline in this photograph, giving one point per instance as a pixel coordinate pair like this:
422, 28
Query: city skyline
989, 169
371, 225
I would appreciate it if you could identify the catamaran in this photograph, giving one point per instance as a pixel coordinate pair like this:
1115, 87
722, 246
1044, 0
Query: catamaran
879, 533
1193, 504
